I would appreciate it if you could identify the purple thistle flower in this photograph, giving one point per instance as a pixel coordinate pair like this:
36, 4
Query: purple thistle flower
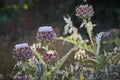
22, 51
46, 33
84, 11
107, 35
50, 56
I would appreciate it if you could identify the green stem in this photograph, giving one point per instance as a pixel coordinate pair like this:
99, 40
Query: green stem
39, 57
89, 32
97, 50
44, 77
90, 36
62, 60
26, 68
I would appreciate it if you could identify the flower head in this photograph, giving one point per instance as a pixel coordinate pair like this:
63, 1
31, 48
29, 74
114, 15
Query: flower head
84, 11
22, 51
46, 33
107, 35
50, 56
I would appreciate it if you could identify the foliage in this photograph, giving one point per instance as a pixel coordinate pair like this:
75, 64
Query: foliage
9, 11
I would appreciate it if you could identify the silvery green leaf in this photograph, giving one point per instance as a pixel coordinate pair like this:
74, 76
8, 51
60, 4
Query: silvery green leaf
82, 25
116, 49
68, 25
66, 29
62, 72
91, 75
45, 47
71, 68
98, 37
91, 59
18, 73
106, 70
70, 30
67, 19
77, 65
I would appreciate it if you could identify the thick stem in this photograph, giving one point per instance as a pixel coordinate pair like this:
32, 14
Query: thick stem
65, 57
89, 31
98, 50
90, 36
44, 77
39, 57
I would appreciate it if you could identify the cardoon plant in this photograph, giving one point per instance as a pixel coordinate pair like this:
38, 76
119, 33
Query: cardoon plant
97, 62
39, 62
42, 66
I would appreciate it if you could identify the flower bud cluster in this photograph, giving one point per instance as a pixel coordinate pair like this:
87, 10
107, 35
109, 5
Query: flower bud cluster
50, 56
84, 11
22, 51
46, 33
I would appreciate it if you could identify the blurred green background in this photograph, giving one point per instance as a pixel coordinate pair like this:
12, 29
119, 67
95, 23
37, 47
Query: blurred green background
19, 20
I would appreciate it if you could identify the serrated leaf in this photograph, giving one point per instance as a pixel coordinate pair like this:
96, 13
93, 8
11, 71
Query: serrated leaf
82, 45
91, 59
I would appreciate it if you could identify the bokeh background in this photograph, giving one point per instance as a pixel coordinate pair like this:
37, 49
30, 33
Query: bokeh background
20, 19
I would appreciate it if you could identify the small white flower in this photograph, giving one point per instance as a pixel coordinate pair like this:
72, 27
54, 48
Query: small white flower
35, 46
80, 54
